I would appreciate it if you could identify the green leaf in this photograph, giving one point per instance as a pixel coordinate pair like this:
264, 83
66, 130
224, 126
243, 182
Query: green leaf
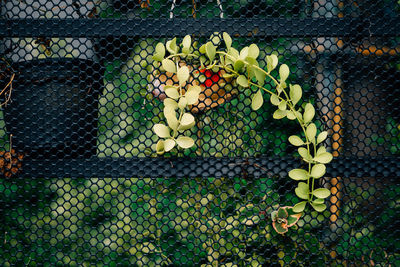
260, 76
324, 157
309, 112
239, 64
192, 95
183, 75
257, 100
293, 219
299, 207
202, 49
282, 105
232, 52
170, 115
279, 114
302, 190
169, 102
169, 65
318, 207
210, 51
298, 174
318, 170
157, 57
187, 41
311, 131
303, 152
169, 144
244, 52
321, 193
295, 93
253, 51
160, 49
227, 39
290, 115
172, 92
242, 81
279, 228
172, 47
187, 119
296, 141
322, 136
321, 150
182, 102
185, 142
275, 100
161, 130
282, 213
283, 72
272, 62
318, 201
160, 147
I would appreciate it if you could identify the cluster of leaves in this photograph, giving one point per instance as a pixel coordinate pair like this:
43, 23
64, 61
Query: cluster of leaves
179, 98
283, 219
243, 69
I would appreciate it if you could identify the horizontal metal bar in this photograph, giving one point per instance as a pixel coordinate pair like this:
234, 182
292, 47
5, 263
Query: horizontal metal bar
305, 27
202, 167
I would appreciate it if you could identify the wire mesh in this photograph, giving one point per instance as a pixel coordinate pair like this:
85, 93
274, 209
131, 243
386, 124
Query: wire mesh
80, 183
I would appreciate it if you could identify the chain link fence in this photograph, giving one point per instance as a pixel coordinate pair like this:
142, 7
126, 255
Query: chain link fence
81, 184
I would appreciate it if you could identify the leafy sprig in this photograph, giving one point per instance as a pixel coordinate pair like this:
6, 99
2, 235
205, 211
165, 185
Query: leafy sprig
243, 70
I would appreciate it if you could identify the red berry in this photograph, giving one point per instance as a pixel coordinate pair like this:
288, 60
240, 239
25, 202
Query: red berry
208, 73
208, 83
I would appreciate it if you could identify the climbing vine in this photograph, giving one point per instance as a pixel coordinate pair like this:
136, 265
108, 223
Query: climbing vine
218, 59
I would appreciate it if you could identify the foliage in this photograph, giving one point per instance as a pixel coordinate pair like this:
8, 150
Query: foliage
243, 70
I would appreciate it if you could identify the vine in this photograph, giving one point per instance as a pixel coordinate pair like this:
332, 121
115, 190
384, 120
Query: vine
242, 69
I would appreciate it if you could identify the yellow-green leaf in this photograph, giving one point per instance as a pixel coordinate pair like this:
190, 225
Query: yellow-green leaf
192, 95
282, 105
238, 65
210, 51
272, 62
227, 39
311, 131
257, 100
187, 119
169, 102
309, 112
169, 144
318, 207
182, 102
299, 207
325, 157
160, 147
242, 81
254, 51
171, 92
260, 76
161, 130
275, 100
295, 93
171, 46
321, 193
185, 142
283, 72
296, 141
169, 65
318, 170
170, 115
183, 75
187, 41
279, 114
298, 174
302, 190
322, 136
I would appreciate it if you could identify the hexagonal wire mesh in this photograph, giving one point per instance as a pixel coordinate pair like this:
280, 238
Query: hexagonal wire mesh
79, 112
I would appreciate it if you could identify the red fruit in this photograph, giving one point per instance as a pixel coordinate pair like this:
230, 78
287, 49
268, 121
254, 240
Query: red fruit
208, 73
208, 83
